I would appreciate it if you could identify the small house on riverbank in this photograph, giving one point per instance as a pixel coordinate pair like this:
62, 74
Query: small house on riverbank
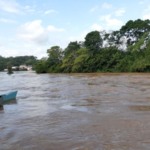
20, 68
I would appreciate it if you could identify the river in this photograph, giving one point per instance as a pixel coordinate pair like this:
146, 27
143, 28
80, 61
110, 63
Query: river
93, 111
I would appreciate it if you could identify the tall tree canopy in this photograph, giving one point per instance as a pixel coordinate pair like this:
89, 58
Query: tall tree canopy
72, 47
125, 50
93, 41
54, 58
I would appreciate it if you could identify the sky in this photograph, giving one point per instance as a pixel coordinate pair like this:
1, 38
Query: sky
30, 27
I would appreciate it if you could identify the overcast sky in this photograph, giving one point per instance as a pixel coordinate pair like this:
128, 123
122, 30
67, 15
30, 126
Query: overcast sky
30, 27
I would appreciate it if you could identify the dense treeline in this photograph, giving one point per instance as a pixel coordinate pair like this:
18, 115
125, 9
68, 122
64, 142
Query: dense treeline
126, 50
16, 61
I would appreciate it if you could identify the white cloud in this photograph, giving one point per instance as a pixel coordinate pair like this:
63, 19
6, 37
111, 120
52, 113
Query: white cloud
18, 47
97, 27
51, 28
141, 2
79, 37
110, 22
24, 49
146, 13
50, 11
35, 32
103, 6
29, 9
106, 6
30, 49
4, 20
119, 12
146, 16
10, 6
93, 9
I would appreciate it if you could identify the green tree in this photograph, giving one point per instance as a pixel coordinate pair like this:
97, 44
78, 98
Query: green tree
80, 63
137, 26
72, 48
9, 67
105, 60
54, 60
70, 54
41, 66
93, 41
3, 63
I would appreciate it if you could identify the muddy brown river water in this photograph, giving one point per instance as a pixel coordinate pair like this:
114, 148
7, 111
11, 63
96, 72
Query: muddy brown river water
76, 112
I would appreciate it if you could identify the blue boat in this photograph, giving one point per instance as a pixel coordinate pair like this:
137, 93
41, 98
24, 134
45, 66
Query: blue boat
4, 98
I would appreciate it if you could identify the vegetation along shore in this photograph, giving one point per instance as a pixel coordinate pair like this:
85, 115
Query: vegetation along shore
126, 50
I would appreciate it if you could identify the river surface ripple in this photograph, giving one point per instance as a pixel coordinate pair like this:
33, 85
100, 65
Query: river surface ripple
76, 112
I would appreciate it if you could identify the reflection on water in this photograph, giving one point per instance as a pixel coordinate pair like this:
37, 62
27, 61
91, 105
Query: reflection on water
10, 102
140, 108
76, 112
1, 107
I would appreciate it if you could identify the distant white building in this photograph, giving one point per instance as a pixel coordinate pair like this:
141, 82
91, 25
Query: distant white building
29, 68
24, 67
15, 67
